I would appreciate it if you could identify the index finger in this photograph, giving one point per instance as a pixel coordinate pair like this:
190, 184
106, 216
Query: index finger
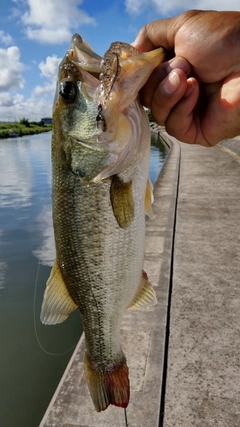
153, 35
163, 32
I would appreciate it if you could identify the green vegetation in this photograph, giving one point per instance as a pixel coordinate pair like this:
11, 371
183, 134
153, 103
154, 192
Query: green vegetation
153, 125
23, 127
150, 117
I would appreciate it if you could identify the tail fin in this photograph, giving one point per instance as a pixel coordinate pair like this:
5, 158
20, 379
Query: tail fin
109, 386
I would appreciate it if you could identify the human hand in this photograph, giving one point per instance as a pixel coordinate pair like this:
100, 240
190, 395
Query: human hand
195, 94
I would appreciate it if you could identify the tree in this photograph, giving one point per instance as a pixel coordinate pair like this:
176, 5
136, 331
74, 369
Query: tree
24, 122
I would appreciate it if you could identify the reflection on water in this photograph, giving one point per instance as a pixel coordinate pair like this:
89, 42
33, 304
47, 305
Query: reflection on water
159, 153
46, 252
3, 267
28, 375
15, 175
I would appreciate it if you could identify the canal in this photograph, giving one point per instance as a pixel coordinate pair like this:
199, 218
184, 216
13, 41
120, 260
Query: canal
33, 357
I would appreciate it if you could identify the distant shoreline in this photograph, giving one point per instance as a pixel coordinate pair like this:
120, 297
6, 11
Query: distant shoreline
22, 128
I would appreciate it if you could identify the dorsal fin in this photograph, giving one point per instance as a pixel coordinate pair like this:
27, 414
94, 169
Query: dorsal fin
57, 302
145, 294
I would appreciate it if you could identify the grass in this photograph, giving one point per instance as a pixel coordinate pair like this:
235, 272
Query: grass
8, 130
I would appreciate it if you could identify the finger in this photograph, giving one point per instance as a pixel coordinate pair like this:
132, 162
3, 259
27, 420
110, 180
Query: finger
153, 35
161, 32
191, 122
183, 121
221, 118
159, 74
167, 95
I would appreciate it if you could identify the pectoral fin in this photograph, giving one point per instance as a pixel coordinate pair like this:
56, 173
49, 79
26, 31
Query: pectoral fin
145, 294
149, 199
122, 201
57, 302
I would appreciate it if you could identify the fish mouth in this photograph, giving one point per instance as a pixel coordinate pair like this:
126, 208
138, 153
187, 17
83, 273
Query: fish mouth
121, 64
106, 69
100, 73
81, 54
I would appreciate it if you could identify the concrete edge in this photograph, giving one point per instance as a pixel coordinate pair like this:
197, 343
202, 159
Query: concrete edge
54, 397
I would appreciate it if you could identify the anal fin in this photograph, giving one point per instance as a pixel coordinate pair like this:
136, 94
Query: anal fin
145, 294
57, 302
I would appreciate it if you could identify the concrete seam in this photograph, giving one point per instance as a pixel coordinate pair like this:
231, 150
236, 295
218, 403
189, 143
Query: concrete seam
167, 329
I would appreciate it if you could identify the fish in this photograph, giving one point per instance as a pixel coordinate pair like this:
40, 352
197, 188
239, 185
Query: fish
100, 194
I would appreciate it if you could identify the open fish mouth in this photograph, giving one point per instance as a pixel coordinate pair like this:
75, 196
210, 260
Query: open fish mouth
121, 63
84, 57
96, 95
106, 69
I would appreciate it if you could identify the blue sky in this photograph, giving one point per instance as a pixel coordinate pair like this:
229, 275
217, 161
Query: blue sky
35, 35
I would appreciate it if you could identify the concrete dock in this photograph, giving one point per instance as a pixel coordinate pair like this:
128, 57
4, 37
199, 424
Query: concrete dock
184, 353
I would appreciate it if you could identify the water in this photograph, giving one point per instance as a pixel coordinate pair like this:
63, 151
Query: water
159, 153
29, 376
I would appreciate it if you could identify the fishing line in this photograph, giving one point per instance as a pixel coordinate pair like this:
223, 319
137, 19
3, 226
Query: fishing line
125, 416
35, 321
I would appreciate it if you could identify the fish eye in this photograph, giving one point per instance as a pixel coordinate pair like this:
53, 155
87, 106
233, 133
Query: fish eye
68, 90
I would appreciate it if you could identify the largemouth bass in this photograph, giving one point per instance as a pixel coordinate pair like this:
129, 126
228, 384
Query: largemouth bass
100, 193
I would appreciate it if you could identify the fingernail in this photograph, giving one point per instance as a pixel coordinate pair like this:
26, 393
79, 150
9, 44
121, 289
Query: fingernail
189, 89
171, 83
181, 63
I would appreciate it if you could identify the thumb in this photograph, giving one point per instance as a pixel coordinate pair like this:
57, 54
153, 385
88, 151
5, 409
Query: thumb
156, 34
142, 42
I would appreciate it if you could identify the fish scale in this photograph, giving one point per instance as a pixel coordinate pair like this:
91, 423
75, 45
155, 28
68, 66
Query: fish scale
107, 244
100, 195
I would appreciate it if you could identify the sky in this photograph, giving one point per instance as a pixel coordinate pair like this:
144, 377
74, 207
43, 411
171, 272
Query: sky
35, 35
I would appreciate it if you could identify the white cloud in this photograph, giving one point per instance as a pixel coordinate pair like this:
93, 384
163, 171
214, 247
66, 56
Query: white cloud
46, 88
13, 106
137, 6
52, 21
6, 99
219, 5
49, 68
33, 107
5, 38
10, 69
